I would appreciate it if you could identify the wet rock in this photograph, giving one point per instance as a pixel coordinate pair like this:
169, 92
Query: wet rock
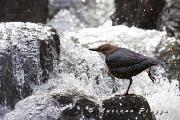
35, 107
8, 83
116, 108
130, 107
169, 51
24, 10
170, 18
139, 13
80, 68
80, 106
28, 54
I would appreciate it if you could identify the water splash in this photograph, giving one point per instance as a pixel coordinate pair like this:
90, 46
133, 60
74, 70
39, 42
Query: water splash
80, 69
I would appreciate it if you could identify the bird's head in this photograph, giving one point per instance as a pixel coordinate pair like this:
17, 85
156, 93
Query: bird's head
106, 49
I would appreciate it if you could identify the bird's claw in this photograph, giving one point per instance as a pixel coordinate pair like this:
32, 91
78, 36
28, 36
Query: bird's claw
126, 93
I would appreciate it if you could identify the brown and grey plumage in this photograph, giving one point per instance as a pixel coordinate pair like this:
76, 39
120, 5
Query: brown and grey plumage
124, 63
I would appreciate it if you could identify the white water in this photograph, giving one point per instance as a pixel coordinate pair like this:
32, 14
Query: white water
79, 68
19, 40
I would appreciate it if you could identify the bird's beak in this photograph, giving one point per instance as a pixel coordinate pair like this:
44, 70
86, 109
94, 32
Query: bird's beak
93, 49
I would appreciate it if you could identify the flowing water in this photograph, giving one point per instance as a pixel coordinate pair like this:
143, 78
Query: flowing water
83, 72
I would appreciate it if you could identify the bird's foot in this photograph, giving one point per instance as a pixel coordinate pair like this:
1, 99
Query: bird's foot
125, 94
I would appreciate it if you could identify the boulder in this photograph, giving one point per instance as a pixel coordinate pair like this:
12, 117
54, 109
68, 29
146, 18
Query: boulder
130, 107
81, 106
8, 82
170, 18
169, 51
140, 13
77, 106
28, 54
24, 10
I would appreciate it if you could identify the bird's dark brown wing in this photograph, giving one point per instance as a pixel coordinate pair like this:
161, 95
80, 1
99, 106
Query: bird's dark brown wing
124, 58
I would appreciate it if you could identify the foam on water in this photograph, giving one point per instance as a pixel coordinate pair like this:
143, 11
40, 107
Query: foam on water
80, 70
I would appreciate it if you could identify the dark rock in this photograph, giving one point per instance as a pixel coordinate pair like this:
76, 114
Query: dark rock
64, 100
28, 53
170, 18
130, 107
139, 13
169, 51
24, 10
8, 91
80, 107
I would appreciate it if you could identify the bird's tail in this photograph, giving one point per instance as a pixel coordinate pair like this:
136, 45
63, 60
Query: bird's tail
161, 62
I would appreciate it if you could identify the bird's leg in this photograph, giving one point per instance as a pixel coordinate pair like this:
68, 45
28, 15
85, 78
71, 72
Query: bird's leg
114, 88
150, 75
114, 84
130, 80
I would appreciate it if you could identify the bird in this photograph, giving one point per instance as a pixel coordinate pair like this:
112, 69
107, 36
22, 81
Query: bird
123, 63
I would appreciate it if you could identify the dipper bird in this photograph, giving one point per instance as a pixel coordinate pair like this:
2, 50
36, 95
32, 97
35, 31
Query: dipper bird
124, 63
